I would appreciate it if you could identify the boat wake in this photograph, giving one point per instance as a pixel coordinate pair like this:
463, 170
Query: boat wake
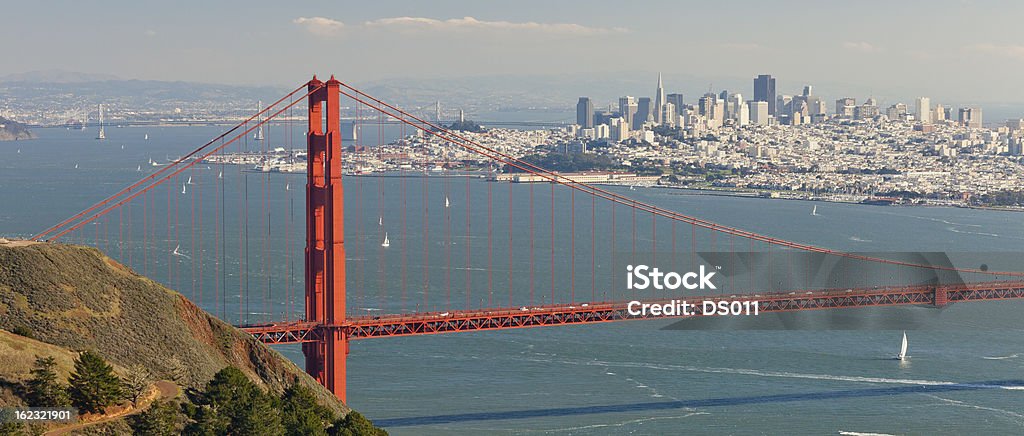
1012, 356
781, 374
957, 403
620, 424
994, 235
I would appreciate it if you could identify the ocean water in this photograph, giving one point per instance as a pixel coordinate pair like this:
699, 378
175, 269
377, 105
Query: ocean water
645, 377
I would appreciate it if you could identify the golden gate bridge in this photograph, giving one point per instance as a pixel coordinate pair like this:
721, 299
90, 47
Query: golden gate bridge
505, 273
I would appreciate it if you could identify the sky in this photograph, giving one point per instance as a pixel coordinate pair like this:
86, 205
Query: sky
958, 50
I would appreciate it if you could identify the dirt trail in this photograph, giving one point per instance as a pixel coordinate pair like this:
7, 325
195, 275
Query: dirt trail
161, 390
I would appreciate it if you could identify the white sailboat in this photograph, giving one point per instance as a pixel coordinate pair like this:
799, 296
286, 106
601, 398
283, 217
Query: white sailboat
814, 211
178, 253
220, 175
903, 348
139, 168
287, 187
146, 138
446, 203
189, 182
386, 243
182, 188
380, 221
76, 166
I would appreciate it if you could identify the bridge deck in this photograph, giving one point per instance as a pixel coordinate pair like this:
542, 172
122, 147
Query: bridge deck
365, 327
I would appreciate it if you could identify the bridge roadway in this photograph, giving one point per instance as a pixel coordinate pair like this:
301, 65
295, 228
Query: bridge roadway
366, 327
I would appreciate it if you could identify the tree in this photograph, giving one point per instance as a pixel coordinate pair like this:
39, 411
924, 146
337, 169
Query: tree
355, 424
176, 371
137, 382
43, 388
262, 417
302, 415
246, 408
161, 419
94, 386
207, 422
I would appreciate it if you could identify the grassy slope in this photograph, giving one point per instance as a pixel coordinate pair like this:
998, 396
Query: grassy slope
77, 298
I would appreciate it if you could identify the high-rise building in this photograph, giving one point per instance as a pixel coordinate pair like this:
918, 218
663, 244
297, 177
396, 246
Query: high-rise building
897, 112
970, 116
643, 113
783, 107
923, 110
764, 90
659, 100
759, 112
619, 129
627, 109
865, 111
669, 115
743, 114
677, 100
733, 105
706, 105
844, 107
585, 113
807, 90
939, 114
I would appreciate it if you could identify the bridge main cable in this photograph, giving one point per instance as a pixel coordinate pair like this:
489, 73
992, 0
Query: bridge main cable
153, 176
179, 169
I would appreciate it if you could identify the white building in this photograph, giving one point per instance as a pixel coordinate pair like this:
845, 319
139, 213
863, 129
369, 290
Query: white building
758, 112
923, 110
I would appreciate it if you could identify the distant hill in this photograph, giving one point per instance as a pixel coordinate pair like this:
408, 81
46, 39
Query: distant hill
73, 298
56, 76
11, 130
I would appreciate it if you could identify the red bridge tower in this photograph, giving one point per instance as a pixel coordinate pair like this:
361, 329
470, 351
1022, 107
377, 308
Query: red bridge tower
325, 238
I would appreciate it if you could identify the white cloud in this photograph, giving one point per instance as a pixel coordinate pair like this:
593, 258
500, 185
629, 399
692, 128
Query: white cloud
861, 46
1015, 51
470, 23
320, 25
150, 32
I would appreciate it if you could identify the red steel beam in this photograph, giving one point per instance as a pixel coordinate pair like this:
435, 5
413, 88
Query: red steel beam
368, 327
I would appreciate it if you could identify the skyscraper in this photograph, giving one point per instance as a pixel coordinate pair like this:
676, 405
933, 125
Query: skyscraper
923, 110
758, 112
733, 105
668, 114
844, 107
677, 100
659, 100
585, 113
764, 90
970, 116
643, 113
627, 109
